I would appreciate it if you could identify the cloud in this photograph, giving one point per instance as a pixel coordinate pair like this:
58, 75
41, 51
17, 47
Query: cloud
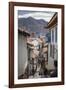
38, 15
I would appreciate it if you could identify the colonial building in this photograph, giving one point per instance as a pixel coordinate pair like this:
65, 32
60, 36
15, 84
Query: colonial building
52, 45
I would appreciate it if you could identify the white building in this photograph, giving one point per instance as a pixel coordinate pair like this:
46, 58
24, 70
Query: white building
52, 46
22, 51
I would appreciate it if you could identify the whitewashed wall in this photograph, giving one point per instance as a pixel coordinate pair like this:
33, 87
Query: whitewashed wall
50, 59
50, 65
22, 54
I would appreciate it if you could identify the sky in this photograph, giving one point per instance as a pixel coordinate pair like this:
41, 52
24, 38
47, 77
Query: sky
36, 14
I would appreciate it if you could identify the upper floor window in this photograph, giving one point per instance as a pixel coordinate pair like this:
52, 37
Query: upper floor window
48, 37
56, 35
52, 36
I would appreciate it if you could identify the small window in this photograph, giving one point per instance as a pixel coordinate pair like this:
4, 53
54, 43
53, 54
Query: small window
52, 36
56, 35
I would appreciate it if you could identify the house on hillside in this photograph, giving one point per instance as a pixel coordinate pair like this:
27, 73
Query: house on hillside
22, 51
30, 48
52, 45
32, 44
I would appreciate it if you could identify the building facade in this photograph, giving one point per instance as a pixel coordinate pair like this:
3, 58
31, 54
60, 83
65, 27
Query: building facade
22, 51
52, 45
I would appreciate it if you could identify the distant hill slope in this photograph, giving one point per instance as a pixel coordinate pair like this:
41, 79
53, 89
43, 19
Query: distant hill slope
33, 25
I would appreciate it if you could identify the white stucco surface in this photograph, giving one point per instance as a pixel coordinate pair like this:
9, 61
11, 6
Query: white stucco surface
22, 54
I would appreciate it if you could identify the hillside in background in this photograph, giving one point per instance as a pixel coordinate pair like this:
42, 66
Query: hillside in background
33, 25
